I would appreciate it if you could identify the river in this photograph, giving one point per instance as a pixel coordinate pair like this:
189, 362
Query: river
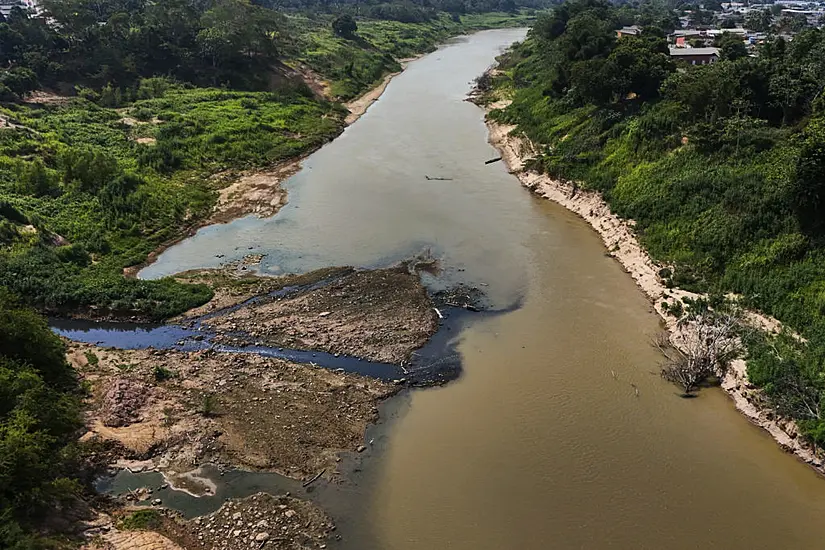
560, 432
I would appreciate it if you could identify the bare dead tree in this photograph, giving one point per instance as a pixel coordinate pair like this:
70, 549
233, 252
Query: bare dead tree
708, 341
484, 82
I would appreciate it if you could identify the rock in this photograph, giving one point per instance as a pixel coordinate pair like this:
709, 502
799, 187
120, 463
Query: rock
261, 537
361, 448
156, 502
290, 513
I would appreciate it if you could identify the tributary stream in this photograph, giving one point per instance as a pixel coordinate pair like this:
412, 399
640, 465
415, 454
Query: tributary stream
543, 442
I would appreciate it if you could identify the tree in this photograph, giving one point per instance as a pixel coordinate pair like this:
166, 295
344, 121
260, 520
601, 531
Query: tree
792, 23
344, 26
39, 415
638, 66
759, 20
708, 341
808, 191
731, 47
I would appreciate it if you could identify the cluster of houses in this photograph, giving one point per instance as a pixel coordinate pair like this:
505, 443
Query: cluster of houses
694, 45
692, 53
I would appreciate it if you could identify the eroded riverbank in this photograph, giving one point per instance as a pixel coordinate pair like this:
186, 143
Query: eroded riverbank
620, 240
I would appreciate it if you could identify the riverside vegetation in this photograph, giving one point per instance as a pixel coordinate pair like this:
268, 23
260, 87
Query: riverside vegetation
119, 123
721, 166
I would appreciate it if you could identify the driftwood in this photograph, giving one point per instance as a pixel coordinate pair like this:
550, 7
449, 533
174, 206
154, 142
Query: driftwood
491, 161
438, 179
708, 342
314, 479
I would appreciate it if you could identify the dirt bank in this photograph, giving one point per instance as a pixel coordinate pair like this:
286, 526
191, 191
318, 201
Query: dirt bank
358, 106
380, 315
179, 410
621, 242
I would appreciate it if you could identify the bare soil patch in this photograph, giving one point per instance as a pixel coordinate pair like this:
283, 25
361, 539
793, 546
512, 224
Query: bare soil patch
239, 410
381, 315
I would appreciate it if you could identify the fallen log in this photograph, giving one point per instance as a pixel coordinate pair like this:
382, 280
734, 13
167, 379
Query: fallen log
491, 161
314, 479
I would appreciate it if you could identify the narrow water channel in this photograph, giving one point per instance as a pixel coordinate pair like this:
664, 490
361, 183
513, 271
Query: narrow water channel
544, 442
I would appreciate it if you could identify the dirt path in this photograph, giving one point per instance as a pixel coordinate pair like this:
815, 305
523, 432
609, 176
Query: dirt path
619, 238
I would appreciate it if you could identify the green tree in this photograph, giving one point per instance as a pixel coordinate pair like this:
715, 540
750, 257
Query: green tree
759, 20
344, 26
39, 416
731, 46
638, 66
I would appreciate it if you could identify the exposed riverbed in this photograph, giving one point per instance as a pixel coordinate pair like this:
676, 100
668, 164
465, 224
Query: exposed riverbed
559, 433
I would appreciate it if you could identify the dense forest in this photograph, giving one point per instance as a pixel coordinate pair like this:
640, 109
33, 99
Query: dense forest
119, 121
722, 166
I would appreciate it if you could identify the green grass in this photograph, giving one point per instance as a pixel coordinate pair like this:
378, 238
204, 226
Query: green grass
141, 520
78, 172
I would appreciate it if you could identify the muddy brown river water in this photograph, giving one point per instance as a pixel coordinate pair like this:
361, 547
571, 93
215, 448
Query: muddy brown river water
543, 442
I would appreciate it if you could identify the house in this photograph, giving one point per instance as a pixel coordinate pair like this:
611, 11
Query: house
687, 34
694, 56
7, 5
633, 30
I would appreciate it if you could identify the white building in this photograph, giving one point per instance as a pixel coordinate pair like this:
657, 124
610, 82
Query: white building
7, 5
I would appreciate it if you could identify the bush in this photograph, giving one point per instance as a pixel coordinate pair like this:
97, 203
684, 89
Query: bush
162, 374
345, 26
142, 113
141, 520
39, 416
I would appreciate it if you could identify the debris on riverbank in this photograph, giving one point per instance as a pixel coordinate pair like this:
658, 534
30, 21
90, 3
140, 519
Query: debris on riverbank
620, 240
236, 282
258, 521
379, 315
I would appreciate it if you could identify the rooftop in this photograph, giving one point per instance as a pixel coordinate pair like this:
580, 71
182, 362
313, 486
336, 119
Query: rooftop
693, 51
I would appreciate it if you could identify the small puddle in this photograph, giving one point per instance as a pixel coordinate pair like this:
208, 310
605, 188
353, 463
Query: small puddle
229, 484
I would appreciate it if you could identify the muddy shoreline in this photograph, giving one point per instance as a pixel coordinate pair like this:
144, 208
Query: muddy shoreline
619, 238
